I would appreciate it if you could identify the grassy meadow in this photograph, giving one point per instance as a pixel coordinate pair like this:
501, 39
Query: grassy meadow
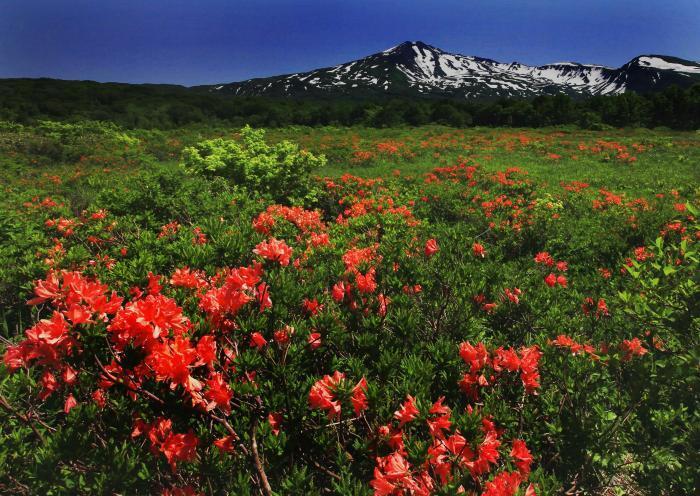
328, 310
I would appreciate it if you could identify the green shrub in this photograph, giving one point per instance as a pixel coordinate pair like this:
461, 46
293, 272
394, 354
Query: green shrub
281, 171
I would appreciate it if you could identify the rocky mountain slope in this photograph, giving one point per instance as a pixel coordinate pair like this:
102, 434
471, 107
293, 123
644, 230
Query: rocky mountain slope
418, 69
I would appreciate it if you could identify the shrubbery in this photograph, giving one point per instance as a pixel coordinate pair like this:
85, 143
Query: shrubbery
280, 171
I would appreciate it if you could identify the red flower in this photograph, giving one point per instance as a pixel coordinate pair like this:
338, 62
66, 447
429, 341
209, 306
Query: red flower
504, 484
366, 283
322, 394
563, 341
172, 361
154, 286
431, 248
392, 475
219, 393
600, 308
489, 307
312, 307
407, 412
199, 237
69, 375
185, 278
181, 491
69, 404
99, 398
283, 336
383, 304
274, 250
78, 314
359, 397
544, 258
49, 385
262, 296
474, 356
206, 349
225, 444
338, 291
632, 347
551, 280
641, 254
314, 340
513, 294
143, 322
506, 359
478, 250
257, 340
275, 419
179, 448
522, 457
529, 374
487, 452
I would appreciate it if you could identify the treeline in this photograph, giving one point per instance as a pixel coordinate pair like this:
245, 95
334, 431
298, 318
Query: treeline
164, 107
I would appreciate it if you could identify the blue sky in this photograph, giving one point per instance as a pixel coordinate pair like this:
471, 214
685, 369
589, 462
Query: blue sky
209, 41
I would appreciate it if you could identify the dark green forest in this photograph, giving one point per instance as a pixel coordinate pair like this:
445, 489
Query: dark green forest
166, 106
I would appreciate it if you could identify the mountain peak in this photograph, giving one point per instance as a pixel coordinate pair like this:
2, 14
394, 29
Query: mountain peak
408, 46
415, 68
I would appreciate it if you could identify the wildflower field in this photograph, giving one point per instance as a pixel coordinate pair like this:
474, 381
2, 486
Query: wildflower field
401, 311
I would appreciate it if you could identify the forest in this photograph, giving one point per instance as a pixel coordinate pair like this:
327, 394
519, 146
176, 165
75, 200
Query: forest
167, 106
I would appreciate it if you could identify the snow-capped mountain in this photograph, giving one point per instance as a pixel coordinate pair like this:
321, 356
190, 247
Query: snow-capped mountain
415, 68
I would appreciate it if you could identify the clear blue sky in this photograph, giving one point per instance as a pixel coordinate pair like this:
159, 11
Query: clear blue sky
209, 41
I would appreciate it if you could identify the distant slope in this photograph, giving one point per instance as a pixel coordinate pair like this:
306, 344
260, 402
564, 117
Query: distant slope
418, 69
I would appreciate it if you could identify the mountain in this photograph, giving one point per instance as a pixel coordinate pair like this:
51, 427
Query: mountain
418, 69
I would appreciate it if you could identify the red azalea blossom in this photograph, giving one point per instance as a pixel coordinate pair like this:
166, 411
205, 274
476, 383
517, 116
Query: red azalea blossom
431, 248
218, 393
314, 340
225, 444
322, 394
257, 340
504, 484
181, 491
179, 448
522, 457
407, 412
544, 258
172, 361
478, 250
311, 307
275, 420
274, 250
632, 347
338, 291
359, 397
70, 403
366, 283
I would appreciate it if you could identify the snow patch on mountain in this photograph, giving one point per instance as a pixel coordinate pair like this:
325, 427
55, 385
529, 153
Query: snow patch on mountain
659, 63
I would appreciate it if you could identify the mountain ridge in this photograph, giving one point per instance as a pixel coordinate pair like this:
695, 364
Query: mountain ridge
415, 68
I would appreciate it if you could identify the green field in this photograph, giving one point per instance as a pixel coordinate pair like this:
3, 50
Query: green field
543, 282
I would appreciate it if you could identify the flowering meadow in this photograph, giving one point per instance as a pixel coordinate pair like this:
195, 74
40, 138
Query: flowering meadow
423, 311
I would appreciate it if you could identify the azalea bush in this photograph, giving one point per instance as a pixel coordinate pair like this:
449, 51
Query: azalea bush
463, 330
